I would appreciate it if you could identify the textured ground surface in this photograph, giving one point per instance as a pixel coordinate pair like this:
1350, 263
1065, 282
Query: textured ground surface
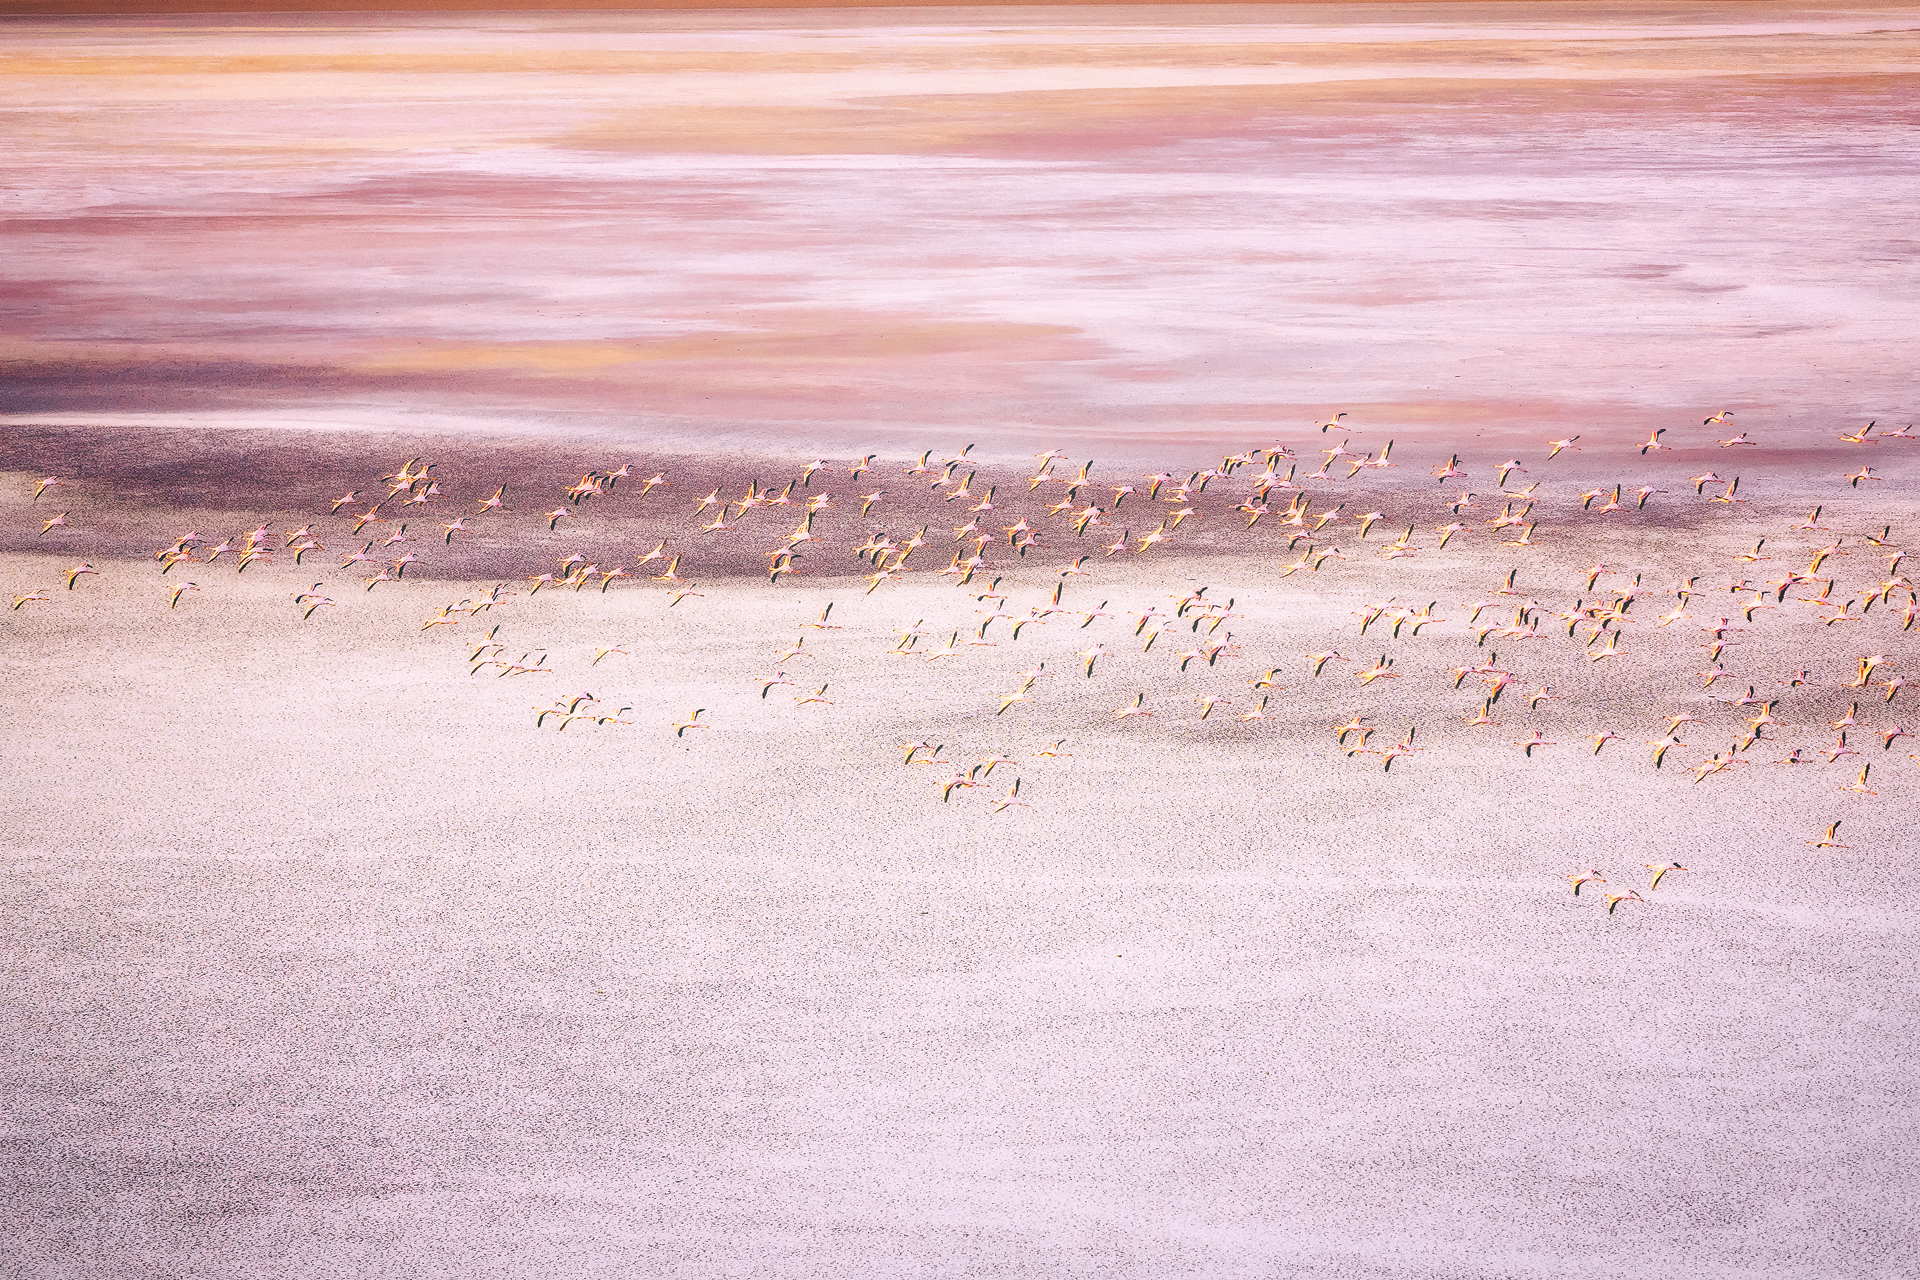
319, 958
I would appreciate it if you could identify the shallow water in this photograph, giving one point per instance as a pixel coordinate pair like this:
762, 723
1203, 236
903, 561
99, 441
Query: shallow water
1129, 227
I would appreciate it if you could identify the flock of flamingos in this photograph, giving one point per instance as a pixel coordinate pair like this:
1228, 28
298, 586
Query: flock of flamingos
982, 534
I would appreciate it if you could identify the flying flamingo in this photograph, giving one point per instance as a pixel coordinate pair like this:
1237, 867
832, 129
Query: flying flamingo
1661, 870
1827, 841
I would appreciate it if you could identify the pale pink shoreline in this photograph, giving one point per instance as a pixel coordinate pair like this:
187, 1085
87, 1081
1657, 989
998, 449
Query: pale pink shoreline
1086, 222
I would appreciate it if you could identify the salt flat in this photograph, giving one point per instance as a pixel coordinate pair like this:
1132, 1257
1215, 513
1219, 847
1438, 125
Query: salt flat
326, 958
326, 954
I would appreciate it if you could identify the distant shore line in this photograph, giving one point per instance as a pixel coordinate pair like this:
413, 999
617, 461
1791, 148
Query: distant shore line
190, 8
